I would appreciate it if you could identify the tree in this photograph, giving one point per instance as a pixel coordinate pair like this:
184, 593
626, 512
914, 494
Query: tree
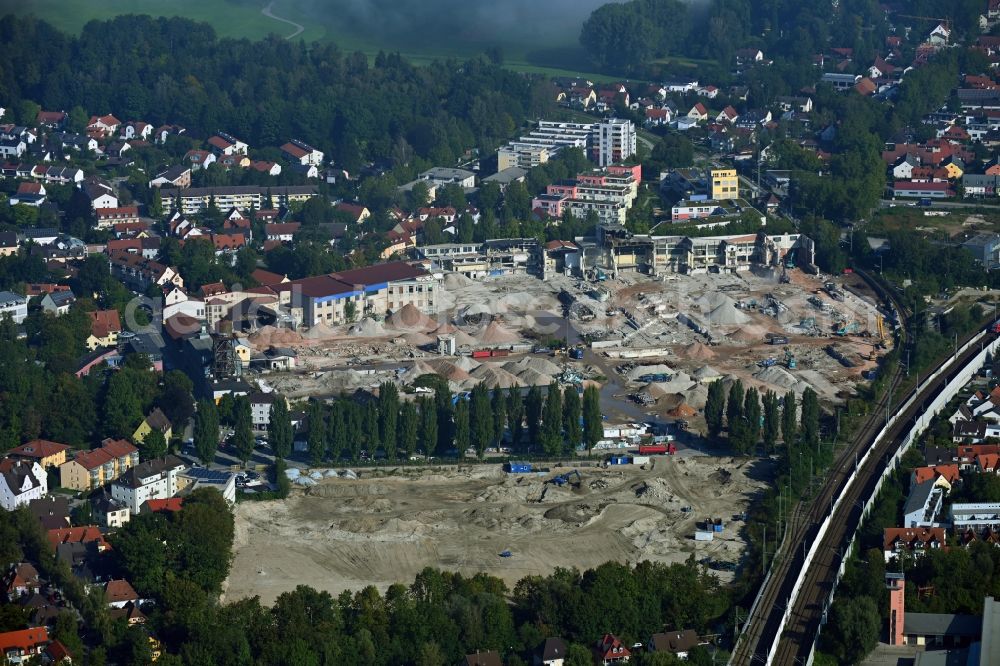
572, 415
243, 428
498, 405
337, 437
388, 418
715, 407
789, 420
279, 428
480, 419
122, 406
552, 420
772, 421
593, 423
515, 416
533, 415
409, 423
752, 419
810, 418
175, 399
206, 430
317, 431
462, 433
428, 426
153, 445
855, 628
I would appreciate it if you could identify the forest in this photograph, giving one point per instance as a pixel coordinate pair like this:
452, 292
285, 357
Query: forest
178, 72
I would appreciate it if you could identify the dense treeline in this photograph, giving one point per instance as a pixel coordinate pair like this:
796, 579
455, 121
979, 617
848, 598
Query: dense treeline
551, 422
172, 70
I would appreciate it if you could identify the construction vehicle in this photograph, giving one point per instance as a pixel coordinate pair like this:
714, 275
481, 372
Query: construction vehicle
790, 260
767, 362
784, 279
562, 479
790, 361
668, 448
848, 329
778, 340
576, 353
506, 553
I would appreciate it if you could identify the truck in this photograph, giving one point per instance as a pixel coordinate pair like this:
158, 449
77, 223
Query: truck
778, 340
996, 327
924, 202
767, 362
576, 353
658, 449
490, 353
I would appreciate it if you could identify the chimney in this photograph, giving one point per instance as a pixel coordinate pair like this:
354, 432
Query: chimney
896, 584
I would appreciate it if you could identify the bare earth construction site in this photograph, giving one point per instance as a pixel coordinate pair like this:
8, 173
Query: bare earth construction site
386, 527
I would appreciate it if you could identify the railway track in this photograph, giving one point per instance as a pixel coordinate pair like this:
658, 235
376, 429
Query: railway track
768, 614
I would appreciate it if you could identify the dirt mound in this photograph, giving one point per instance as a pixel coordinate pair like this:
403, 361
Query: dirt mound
319, 332
410, 318
456, 281
497, 334
467, 363
419, 339
683, 411
706, 373
657, 369
748, 334
777, 376
495, 377
542, 365
727, 314
448, 370
368, 328
679, 383
270, 335
697, 351
532, 377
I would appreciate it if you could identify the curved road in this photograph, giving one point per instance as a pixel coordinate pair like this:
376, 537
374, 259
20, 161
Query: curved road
266, 11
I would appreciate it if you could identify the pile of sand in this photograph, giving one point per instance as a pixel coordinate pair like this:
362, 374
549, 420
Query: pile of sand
319, 332
706, 373
532, 377
679, 383
456, 281
461, 337
419, 339
749, 334
497, 334
697, 397
493, 376
410, 318
467, 363
727, 314
272, 336
683, 411
778, 376
542, 365
657, 369
368, 328
697, 351
448, 370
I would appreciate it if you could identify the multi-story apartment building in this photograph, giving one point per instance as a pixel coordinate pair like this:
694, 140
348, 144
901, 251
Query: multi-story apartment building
507, 256
153, 479
614, 250
607, 193
606, 142
375, 289
92, 469
725, 184
194, 200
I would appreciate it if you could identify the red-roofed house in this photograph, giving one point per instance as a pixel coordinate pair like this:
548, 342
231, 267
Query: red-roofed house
267, 278
270, 168
228, 242
944, 476
988, 463
82, 534
302, 153
865, 87
727, 115
698, 112
107, 217
199, 159
610, 650
119, 592
92, 469
657, 117
22, 646
281, 231
170, 505
105, 325
915, 540
57, 654
103, 125
226, 144
50, 119
357, 212
45, 453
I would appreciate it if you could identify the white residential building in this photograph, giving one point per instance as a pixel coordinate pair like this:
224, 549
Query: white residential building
153, 479
14, 305
21, 482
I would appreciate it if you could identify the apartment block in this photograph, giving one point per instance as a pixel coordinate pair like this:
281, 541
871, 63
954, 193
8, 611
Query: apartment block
92, 469
194, 200
725, 184
606, 142
506, 256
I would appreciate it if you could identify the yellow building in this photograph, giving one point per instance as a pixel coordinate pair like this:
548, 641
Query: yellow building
156, 420
45, 453
954, 170
92, 469
725, 184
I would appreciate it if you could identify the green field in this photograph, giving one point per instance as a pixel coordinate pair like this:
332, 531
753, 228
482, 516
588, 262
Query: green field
558, 55
228, 19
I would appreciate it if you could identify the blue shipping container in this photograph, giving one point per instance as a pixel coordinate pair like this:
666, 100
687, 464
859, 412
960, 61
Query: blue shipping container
517, 467
619, 460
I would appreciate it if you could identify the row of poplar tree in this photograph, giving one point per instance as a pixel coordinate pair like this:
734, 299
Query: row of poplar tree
550, 422
751, 419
